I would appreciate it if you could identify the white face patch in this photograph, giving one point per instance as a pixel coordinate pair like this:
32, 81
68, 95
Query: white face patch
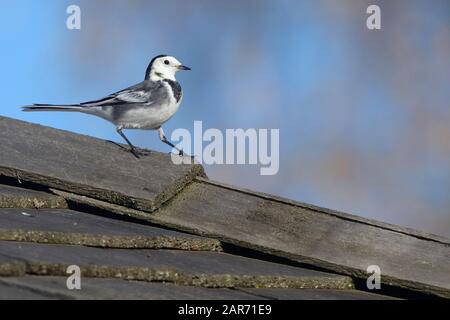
165, 68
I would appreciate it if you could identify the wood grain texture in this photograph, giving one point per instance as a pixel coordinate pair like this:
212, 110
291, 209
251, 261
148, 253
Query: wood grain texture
199, 268
14, 197
62, 226
52, 287
309, 236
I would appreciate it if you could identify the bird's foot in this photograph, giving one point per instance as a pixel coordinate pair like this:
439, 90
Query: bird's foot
182, 154
138, 152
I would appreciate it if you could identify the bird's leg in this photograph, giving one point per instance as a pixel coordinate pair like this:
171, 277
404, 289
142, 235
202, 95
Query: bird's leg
163, 138
133, 149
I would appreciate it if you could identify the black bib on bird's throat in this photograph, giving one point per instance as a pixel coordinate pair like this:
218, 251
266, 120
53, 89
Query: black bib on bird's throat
176, 88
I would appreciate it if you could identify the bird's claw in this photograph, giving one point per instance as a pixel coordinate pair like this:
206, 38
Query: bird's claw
138, 152
182, 154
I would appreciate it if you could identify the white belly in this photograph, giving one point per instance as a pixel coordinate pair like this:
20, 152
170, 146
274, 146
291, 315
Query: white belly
149, 118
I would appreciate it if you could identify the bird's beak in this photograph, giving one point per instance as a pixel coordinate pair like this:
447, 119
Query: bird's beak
181, 67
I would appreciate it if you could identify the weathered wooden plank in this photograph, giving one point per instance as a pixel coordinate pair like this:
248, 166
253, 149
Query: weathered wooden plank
11, 267
339, 214
9, 291
113, 289
314, 294
78, 228
72, 221
51, 287
309, 236
111, 241
89, 166
207, 269
14, 197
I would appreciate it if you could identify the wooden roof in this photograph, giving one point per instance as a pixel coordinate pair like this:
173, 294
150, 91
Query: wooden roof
172, 233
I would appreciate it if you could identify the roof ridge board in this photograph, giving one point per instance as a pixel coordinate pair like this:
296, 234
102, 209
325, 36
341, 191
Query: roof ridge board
339, 214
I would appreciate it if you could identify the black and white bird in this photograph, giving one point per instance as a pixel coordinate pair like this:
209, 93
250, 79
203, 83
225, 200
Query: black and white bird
146, 105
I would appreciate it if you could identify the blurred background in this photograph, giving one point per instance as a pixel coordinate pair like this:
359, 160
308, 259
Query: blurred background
364, 116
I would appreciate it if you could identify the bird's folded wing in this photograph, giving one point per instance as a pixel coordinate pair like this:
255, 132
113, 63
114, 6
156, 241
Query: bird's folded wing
136, 94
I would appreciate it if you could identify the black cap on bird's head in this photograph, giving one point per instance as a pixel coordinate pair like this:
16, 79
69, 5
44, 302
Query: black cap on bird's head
163, 67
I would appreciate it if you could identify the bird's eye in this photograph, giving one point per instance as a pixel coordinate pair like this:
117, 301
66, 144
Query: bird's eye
166, 62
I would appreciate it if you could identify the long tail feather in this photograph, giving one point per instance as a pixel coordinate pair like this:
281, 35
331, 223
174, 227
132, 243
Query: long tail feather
51, 107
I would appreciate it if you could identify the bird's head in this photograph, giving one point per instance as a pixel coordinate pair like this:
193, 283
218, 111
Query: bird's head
164, 67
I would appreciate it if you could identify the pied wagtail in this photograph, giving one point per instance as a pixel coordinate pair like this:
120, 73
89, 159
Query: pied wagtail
146, 105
